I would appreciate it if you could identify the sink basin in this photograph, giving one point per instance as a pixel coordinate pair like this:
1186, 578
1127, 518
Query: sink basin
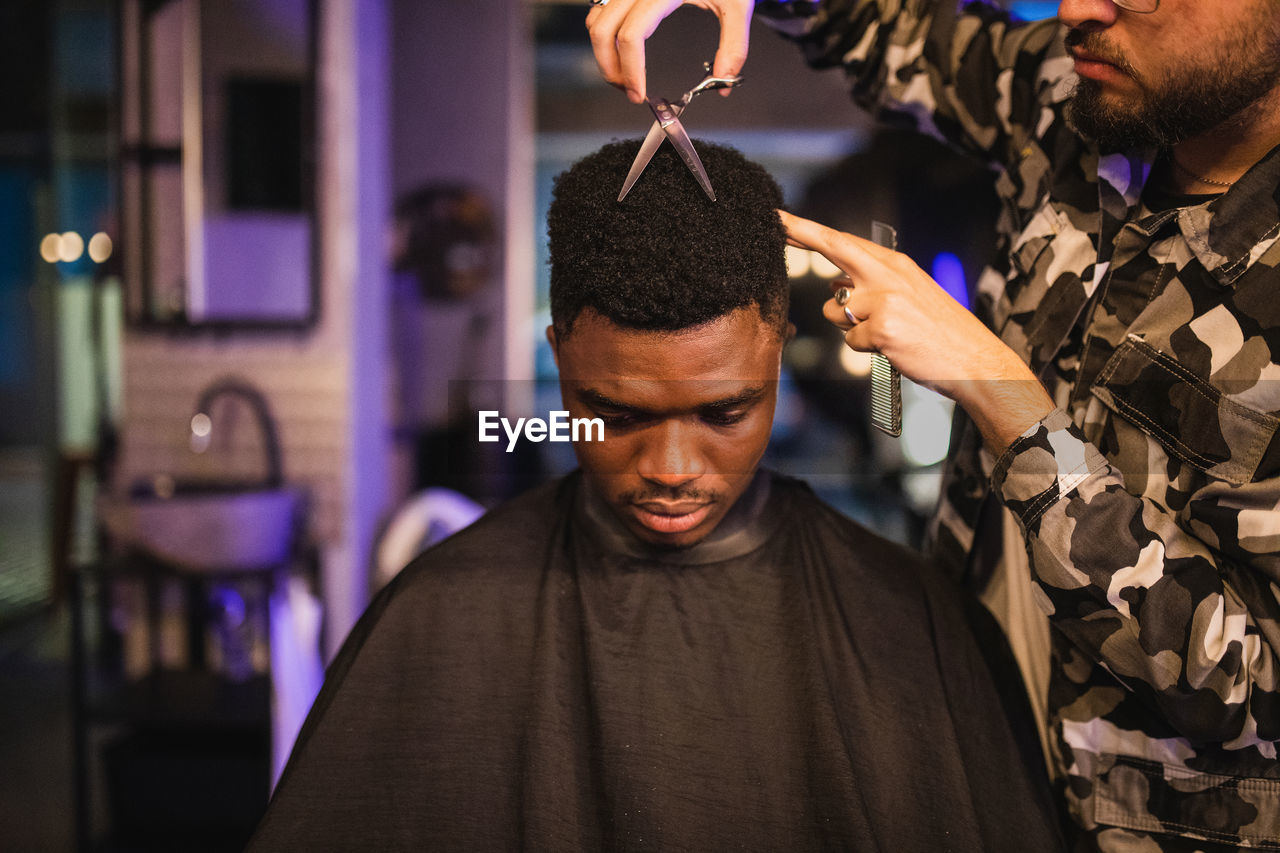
209, 530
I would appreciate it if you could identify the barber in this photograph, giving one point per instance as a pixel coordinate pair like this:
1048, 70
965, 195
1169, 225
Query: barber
1113, 486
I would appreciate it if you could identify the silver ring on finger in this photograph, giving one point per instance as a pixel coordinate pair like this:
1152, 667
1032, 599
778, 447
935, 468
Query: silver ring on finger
597, 2
843, 295
848, 315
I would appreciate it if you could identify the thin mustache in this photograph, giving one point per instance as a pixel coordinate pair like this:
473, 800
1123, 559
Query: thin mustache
669, 496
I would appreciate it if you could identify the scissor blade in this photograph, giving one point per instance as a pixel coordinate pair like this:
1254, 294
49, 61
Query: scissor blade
684, 146
652, 143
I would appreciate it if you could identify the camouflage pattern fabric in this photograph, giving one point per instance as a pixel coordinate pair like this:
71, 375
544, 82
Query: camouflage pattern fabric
1150, 499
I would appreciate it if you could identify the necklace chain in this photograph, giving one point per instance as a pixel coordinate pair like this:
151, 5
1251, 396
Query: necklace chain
1201, 178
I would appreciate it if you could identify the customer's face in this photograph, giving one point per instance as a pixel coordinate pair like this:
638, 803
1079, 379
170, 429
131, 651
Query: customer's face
687, 416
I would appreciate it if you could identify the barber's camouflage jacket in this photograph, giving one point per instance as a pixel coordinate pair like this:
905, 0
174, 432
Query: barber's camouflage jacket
1150, 499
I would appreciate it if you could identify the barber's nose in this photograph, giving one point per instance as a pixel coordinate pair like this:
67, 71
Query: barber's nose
1087, 14
671, 457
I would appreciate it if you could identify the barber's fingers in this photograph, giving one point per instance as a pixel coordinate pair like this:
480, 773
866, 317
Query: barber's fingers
735, 37
618, 32
619, 29
602, 29
849, 316
858, 258
852, 313
859, 338
841, 310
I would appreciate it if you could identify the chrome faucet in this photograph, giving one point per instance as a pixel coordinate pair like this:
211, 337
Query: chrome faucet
202, 423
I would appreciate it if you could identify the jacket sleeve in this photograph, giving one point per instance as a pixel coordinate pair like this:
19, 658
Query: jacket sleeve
975, 79
1190, 622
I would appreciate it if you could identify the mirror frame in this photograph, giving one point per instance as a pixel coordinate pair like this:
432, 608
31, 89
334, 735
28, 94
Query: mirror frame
142, 155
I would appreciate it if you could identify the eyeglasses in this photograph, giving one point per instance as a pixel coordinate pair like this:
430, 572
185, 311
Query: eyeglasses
1142, 7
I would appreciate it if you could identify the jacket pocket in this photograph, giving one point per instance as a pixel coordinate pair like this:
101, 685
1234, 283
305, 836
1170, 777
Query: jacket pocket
1191, 418
1153, 797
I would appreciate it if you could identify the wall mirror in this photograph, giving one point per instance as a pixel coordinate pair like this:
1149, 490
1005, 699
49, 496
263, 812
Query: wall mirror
217, 166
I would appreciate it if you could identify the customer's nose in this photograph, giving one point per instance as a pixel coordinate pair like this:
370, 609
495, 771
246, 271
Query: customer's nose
672, 456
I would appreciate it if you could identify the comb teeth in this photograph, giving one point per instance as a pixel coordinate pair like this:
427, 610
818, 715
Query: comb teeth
886, 396
886, 381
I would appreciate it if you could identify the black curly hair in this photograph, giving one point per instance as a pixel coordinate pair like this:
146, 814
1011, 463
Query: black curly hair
666, 257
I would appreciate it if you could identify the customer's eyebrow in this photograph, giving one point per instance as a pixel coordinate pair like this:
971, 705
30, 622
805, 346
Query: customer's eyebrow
745, 397
599, 400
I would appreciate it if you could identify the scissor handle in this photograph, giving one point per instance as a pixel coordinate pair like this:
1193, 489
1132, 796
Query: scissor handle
709, 83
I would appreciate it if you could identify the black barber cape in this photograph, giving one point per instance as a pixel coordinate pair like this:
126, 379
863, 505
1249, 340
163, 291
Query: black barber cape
544, 681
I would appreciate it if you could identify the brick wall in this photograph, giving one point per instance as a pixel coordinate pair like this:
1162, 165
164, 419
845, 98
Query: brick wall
304, 382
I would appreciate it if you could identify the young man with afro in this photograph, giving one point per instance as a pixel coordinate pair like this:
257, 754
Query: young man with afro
670, 648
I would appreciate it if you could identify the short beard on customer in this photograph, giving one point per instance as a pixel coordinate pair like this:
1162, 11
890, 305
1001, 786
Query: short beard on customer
1185, 103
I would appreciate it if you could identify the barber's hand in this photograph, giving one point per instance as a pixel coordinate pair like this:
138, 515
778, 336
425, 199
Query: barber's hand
933, 340
619, 29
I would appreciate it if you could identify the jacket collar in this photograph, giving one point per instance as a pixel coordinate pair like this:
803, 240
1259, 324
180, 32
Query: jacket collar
1227, 233
1230, 232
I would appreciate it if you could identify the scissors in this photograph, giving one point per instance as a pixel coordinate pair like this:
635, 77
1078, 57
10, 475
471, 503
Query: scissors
668, 126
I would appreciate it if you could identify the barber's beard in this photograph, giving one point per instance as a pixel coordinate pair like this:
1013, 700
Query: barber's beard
1185, 102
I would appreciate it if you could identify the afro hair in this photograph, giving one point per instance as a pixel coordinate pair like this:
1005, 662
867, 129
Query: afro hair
666, 258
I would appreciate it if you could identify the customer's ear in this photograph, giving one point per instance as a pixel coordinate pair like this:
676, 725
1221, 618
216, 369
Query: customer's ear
551, 339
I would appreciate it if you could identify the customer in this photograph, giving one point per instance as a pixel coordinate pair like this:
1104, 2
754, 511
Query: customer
669, 649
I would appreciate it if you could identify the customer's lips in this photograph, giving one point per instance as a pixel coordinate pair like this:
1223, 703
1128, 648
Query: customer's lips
671, 517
